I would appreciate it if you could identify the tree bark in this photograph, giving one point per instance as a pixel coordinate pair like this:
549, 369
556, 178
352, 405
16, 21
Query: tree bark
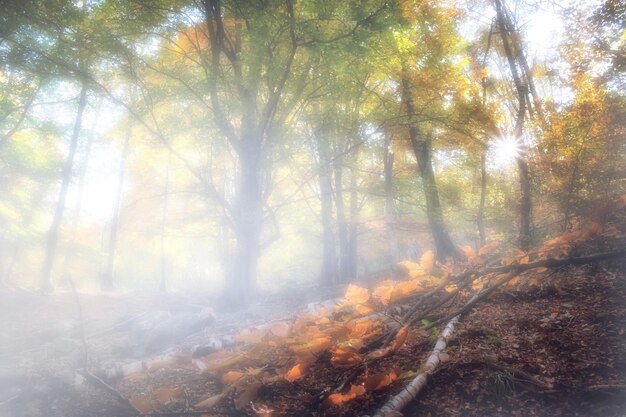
247, 216
480, 218
525, 237
52, 235
422, 147
328, 273
390, 209
106, 282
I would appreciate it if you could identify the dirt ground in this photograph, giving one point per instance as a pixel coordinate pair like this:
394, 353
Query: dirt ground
567, 333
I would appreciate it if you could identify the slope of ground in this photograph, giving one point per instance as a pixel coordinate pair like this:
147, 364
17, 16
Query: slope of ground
566, 333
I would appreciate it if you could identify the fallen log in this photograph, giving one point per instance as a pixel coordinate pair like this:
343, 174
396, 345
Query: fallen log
409, 392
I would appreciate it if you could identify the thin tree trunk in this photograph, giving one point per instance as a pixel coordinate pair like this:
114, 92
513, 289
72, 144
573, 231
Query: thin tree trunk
328, 274
353, 231
52, 236
525, 236
390, 209
106, 282
422, 147
480, 218
162, 284
342, 223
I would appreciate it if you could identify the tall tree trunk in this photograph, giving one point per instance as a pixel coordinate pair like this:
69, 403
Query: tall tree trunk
351, 259
390, 209
247, 216
525, 236
480, 218
342, 222
422, 147
328, 273
52, 236
106, 282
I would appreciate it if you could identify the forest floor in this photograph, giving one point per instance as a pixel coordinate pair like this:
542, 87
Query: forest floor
567, 332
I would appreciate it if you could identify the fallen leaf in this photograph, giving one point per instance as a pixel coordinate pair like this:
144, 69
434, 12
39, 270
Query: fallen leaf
296, 372
488, 248
468, 251
444, 357
356, 295
338, 399
400, 338
427, 261
381, 380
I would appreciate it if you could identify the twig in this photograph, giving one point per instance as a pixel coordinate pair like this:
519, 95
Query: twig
99, 383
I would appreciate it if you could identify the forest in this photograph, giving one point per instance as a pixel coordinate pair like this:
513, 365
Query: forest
312, 208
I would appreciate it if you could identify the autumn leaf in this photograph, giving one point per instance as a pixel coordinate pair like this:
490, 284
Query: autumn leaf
400, 337
413, 269
344, 357
209, 402
339, 399
427, 261
488, 248
468, 252
356, 295
297, 371
381, 380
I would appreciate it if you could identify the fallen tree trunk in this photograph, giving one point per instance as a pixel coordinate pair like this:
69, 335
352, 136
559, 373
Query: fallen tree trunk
393, 407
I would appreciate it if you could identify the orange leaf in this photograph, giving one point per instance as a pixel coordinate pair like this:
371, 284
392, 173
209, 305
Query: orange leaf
297, 371
356, 295
488, 248
280, 329
381, 380
363, 309
427, 261
400, 337
361, 328
524, 260
468, 252
338, 399
345, 357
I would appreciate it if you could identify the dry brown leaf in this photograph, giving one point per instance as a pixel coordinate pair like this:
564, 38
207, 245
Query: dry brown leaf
297, 371
444, 357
